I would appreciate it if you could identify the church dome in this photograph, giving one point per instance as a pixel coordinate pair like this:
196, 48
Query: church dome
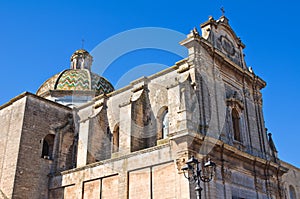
78, 78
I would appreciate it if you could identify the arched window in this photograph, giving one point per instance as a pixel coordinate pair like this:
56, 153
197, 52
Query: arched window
165, 124
116, 139
162, 123
236, 125
47, 148
292, 192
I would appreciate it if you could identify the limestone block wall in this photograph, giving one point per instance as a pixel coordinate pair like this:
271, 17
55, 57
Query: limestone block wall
155, 173
35, 119
11, 122
148, 173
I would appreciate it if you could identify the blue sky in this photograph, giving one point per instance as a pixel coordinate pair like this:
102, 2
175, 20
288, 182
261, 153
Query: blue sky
37, 39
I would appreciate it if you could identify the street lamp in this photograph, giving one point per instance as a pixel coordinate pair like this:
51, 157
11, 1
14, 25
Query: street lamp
192, 171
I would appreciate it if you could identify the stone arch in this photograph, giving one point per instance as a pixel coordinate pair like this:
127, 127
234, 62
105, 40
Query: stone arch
162, 123
116, 138
48, 146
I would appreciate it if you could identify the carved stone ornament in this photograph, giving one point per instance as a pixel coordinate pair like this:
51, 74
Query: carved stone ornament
234, 100
227, 45
258, 97
180, 162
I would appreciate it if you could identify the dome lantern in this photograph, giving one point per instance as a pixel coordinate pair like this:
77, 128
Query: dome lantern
81, 59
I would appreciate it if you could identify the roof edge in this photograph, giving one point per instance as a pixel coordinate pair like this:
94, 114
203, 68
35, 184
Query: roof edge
26, 94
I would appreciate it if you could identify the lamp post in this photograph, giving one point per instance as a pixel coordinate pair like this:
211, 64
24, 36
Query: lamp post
192, 171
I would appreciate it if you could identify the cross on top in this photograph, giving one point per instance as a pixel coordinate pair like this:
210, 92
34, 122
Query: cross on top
82, 43
223, 11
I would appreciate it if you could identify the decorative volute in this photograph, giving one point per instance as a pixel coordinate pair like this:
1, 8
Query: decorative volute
81, 59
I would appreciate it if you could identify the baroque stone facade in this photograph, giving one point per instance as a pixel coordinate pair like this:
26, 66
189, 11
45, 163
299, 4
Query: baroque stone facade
78, 138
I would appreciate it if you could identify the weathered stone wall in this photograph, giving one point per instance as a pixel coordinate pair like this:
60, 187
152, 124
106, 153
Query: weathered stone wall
291, 181
100, 137
135, 109
155, 173
143, 123
145, 173
229, 85
11, 122
40, 117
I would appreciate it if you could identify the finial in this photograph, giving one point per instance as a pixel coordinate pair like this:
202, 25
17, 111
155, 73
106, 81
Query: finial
82, 43
195, 31
270, 135
223, 11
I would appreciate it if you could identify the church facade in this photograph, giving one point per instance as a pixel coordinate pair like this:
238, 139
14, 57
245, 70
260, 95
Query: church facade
79, 138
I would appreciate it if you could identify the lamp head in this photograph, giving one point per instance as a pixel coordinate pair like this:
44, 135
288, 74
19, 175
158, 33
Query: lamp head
210, 164
186, 167
192, 160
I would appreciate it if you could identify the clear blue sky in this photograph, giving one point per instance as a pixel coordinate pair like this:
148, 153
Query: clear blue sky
37, 39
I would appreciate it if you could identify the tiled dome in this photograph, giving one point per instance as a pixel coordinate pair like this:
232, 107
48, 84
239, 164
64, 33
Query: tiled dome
78, 78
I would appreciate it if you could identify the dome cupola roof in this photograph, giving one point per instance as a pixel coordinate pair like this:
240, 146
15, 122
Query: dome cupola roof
78, 78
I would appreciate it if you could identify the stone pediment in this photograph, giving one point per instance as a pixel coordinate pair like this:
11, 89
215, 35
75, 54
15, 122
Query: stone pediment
220, 34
